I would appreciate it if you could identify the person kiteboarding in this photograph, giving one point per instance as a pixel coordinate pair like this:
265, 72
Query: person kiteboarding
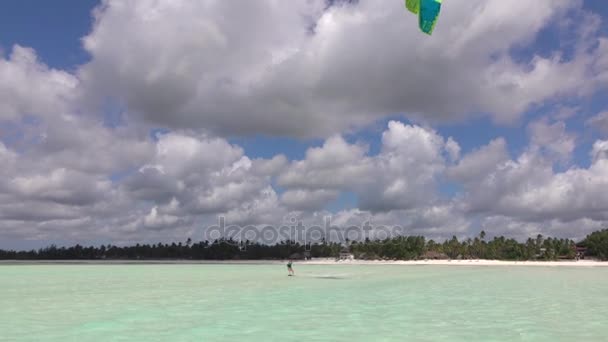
290, 268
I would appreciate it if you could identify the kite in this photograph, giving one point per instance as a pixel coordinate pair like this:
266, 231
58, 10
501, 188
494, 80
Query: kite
427, 10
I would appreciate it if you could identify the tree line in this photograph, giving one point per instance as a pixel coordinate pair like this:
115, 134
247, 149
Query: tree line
399, 248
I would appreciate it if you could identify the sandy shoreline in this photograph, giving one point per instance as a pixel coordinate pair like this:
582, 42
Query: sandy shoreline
318, 261
474, 262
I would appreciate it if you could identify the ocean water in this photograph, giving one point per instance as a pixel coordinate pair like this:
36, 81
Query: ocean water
321, 303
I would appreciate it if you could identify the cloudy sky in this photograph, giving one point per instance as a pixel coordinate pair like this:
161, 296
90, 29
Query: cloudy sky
144, 121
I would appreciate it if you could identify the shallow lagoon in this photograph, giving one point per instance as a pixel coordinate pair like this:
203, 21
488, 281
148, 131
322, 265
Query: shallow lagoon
321, 303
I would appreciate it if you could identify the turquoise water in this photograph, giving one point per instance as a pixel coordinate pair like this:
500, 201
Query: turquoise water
321, 303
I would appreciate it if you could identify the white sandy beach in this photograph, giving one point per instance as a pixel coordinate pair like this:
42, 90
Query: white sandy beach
473, 262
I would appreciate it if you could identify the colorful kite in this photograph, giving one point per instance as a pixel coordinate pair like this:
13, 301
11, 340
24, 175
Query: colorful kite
427, 10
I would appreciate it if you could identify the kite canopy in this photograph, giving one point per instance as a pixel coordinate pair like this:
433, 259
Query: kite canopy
427, 10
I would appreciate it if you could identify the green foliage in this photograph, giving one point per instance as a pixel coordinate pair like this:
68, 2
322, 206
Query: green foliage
597, 244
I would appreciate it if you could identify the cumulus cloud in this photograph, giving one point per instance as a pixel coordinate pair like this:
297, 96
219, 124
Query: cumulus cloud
528, 188
599, 151
599, 122
209, 71
61, 186
311, 200
7, 158
84, 144
28, 87
299, 70
552, 138
401, 176
200, 175
438, 221
190, 179
453, 149
480, 162
185, 177
335, 165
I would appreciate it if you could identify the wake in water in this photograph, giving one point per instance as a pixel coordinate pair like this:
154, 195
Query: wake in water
326, 276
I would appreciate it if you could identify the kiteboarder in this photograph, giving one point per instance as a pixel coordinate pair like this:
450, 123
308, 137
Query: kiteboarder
289, 268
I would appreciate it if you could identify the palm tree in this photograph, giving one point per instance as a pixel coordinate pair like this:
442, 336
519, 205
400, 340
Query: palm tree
539, 240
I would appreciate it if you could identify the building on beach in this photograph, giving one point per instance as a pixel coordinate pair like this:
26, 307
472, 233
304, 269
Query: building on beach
580, 252
434, 255
345, 254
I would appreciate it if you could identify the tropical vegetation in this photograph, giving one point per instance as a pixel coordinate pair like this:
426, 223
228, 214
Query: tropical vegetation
399, 248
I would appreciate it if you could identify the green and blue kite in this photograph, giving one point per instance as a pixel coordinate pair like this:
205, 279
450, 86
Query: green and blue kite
427, 10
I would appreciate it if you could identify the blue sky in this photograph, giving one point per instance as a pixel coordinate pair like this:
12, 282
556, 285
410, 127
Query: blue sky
130, 71
53, 28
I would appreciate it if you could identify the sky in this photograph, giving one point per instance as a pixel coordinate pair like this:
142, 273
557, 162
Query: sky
130, 122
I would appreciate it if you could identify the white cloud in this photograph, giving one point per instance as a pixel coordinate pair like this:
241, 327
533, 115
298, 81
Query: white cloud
401, 176
552, 138
206, 175
155, 220
335, 165
84, 144
296, 70
189, 179
599, 122
528, 188
309, 200
599, 152
7, 158
213, 70
28, 87
61, 186
453, 149
480, 162
601, 66
439, 221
